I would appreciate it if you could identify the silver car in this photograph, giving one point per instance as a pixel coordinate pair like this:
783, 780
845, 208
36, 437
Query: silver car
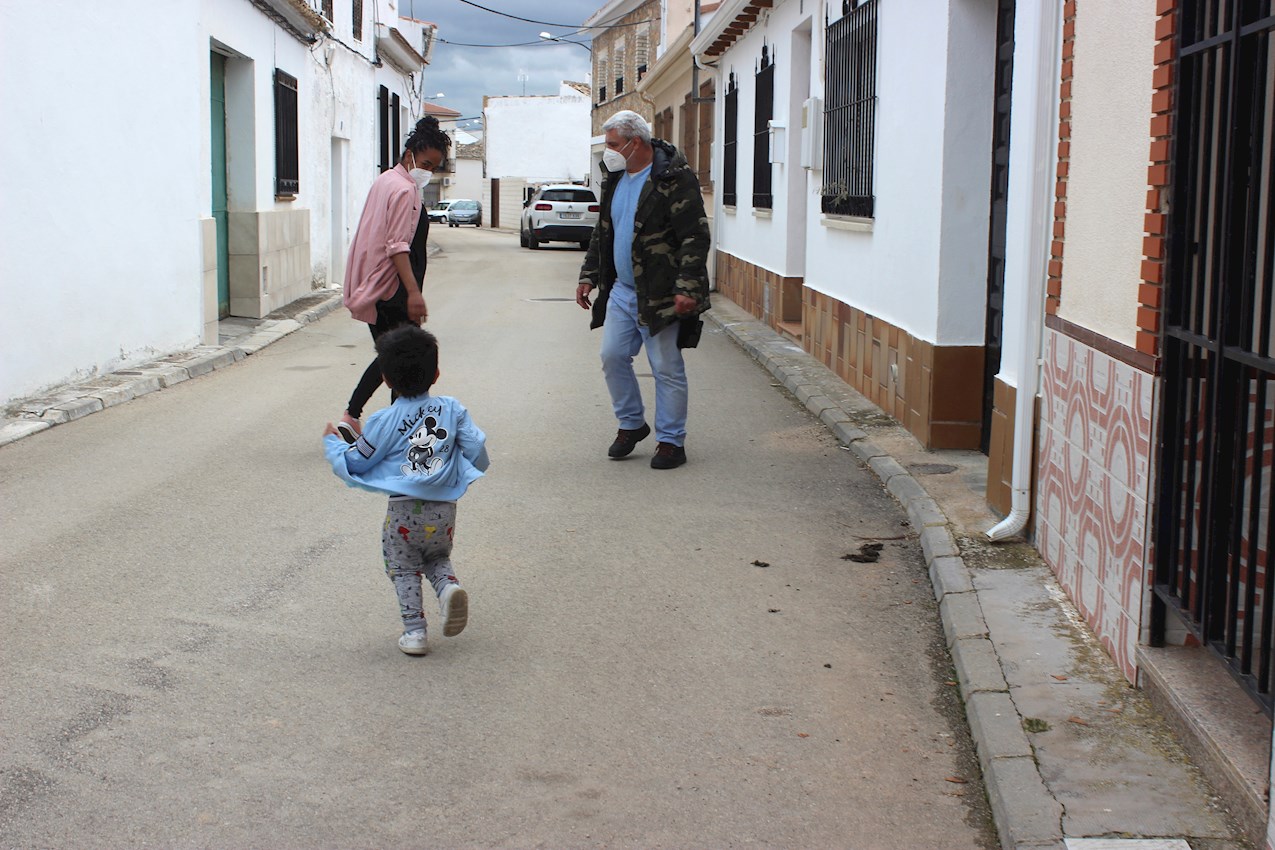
464, 211
558, 213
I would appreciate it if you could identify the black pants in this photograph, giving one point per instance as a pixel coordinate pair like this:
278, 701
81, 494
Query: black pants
390, 314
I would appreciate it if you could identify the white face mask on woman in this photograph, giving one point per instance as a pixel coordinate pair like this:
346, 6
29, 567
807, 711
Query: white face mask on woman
614, 160
420, 175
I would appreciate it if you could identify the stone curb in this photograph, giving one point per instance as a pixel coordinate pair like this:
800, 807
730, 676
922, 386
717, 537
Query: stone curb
1025, 813
75, 401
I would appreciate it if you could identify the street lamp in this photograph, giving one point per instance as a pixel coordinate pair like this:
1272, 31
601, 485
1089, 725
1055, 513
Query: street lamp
547, 37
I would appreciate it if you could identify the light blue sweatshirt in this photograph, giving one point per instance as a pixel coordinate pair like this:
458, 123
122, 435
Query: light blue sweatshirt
425, 447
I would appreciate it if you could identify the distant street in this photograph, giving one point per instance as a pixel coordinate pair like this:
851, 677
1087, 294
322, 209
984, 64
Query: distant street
199, 639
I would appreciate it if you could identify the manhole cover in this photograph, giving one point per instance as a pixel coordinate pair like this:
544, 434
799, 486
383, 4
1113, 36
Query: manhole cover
932, 468
551, 299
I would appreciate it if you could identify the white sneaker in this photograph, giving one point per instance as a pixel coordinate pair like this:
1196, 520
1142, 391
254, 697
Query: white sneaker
413, 642
454, 603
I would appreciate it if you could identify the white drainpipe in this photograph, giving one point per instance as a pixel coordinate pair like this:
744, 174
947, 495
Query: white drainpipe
1033, 204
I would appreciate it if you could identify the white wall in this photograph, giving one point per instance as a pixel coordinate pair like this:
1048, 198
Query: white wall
920, 262
467, 182
541, 139
108, 252
99, 229
758, 236
1107, 182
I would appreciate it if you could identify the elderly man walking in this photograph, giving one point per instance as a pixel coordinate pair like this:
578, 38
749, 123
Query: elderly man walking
648, 259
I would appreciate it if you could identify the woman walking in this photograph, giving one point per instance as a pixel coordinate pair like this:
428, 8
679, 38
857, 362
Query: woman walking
382, 288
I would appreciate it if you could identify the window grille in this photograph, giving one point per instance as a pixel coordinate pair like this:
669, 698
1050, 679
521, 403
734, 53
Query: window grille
327, 9
850, 83
619, 69
729, 142
1214, 538
287, 170
763, 111
383, 126
357, 14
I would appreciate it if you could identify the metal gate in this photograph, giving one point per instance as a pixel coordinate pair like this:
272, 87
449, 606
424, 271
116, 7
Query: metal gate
1213, 537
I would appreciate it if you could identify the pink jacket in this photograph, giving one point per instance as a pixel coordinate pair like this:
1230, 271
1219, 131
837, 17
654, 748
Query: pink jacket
389, 220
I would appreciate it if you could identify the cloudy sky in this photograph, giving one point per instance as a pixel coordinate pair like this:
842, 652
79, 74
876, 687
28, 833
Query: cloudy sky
466, 74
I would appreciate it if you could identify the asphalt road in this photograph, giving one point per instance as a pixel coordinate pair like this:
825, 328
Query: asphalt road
199, 639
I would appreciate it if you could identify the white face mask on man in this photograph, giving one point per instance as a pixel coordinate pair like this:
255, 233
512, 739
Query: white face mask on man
614, 160
420, 175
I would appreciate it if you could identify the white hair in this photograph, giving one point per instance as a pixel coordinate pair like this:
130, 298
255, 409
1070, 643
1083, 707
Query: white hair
630, 124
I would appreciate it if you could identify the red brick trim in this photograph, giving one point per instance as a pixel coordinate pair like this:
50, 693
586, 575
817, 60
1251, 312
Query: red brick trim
1053, 288
1151, 292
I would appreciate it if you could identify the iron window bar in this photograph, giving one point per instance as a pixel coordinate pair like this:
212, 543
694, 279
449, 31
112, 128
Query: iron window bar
1214, 536
850, 110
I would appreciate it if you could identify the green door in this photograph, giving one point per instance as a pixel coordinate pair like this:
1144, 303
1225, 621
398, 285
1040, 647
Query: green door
219, 183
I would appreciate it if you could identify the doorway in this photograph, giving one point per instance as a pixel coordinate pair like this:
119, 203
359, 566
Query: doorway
995, 314
220, 214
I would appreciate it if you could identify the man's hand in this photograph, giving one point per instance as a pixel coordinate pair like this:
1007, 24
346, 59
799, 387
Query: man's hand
416, 310
582, 294
683, 304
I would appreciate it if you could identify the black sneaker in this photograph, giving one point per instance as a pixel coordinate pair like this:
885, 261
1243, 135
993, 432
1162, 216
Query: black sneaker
626, 439
668, 456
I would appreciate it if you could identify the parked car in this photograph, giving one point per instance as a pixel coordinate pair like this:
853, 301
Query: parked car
439, 212
558, 213
464, 211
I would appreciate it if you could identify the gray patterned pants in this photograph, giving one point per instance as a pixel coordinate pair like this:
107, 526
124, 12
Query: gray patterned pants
417, 542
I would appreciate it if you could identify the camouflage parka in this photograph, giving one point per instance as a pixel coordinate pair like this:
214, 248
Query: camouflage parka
670, 242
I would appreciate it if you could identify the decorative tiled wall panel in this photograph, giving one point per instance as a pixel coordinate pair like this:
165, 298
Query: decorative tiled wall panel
1093, 467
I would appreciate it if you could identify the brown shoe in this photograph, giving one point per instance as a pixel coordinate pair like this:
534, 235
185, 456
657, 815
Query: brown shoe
668, 456
626, 439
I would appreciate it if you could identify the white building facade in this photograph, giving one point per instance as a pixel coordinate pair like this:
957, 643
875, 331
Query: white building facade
222, 169
530, 141
1042, 231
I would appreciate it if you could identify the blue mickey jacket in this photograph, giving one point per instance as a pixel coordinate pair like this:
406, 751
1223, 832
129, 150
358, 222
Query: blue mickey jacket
425, 447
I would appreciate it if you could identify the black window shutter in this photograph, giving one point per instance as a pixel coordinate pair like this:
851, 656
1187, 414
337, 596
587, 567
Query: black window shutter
383, 125
287, 168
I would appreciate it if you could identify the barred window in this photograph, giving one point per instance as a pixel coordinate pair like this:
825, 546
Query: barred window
642, 50
619, 69
850, 90
730, 129
704, 139
357, 13
287, 168
600, 74
327, 9
763, 111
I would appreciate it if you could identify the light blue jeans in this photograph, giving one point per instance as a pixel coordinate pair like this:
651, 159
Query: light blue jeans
622, 336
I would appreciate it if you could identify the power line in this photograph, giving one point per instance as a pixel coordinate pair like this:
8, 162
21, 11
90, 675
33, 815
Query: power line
466, 44
576, 27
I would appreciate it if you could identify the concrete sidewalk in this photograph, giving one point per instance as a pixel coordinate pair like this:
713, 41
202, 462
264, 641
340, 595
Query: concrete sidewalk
237, 339
1072, 756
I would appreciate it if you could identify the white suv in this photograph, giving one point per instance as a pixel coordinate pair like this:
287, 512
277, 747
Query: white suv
558, 213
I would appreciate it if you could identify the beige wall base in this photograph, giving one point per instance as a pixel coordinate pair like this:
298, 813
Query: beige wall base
935, 391
270, 263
